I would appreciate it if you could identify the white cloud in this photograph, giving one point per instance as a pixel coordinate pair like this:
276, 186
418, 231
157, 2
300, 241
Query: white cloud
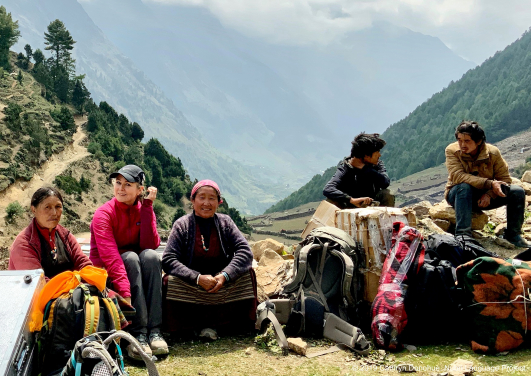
475, 29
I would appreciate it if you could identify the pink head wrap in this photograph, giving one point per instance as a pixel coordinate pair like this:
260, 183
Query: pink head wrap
209, 183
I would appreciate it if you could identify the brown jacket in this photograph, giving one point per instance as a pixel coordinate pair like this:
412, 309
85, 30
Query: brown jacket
480, 172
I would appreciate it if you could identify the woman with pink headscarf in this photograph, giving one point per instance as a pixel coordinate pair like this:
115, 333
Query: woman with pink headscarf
211, 285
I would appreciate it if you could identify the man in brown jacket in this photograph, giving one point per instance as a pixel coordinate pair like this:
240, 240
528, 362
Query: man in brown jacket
478, 178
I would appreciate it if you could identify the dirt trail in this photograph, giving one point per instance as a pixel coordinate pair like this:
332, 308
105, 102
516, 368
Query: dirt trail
22, 191
2, 106
13, 84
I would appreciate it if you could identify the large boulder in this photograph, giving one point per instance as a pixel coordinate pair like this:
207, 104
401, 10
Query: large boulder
444, 211
422, 209
442, 223
526, 187
430, 226
259, 247
273, 273
527, 177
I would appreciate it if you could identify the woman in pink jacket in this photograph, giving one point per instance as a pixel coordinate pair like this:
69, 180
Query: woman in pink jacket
123, 240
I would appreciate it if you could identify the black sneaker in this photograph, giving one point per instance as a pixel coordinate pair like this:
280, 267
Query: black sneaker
518, 241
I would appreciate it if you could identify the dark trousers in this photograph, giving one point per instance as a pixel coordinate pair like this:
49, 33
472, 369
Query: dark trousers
144, 271
464, 199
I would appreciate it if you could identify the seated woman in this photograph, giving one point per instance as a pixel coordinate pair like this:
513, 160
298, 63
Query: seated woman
215, 287
123, 238
45, 244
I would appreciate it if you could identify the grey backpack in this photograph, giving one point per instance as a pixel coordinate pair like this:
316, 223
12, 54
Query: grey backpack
322, 299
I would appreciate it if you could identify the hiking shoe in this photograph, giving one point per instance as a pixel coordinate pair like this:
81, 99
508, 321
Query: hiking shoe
133, 353
518, 241
157, 344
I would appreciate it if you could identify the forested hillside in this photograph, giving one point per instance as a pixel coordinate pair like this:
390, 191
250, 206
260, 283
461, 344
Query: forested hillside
496, 94
38, 120
310, 192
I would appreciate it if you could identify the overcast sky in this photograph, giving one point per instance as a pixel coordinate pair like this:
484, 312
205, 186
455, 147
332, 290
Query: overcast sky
474, 29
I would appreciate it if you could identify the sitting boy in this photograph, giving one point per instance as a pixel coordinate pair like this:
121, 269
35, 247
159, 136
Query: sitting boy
361, 178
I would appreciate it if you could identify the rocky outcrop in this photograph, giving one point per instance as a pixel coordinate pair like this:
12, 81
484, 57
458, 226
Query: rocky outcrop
261, 246
422, 209
272, 274
444, 211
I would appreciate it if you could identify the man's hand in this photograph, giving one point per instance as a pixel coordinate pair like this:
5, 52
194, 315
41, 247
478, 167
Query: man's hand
207, 282
152, 194
220, 281
361, 202
497, 188
484, 201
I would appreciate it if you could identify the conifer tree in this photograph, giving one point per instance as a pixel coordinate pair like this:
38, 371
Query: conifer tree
9, 35
59, 41
29, 51
80, 95
38, 56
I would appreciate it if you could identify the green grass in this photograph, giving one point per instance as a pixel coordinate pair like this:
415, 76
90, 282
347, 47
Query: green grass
242, 356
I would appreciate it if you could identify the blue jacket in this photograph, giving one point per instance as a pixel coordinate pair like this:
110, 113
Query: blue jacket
177, 256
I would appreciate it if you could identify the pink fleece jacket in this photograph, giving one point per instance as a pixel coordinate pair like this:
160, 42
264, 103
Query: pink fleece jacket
117, 228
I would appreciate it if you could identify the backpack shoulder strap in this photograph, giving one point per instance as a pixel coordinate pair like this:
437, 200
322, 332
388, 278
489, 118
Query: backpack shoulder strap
92, 311
113, 313
302, 266
266, 316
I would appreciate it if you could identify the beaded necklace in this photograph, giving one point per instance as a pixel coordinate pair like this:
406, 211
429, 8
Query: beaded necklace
54, 250
203, 241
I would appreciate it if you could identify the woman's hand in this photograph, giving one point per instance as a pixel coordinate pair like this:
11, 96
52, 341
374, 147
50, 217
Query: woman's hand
207, 282
220, 281
152, 194
128, 300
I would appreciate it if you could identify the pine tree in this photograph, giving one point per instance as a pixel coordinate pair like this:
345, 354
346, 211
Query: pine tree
59, 41
19, 77
9, 35
80, 95
38, 57
29, 51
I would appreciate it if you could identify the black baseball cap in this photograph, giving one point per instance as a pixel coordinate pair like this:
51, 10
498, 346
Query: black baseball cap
131, 173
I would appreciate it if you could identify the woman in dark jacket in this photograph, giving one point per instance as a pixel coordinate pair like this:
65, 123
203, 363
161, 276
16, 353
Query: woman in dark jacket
211, 283
45, 244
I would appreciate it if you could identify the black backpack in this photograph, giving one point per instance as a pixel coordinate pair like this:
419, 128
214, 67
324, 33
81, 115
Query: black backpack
433, 296
70, 317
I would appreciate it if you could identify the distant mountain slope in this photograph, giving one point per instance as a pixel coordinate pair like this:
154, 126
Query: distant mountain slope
114, 78
310, 192
496, 94
277, 106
